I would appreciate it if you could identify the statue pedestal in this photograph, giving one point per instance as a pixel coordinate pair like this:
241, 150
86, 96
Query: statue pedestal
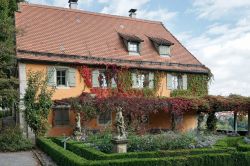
120, 146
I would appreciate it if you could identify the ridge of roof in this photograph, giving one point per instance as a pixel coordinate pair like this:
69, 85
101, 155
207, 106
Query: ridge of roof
89, 12
181, 44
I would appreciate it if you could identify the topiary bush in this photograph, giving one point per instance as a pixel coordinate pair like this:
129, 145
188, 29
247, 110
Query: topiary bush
11, 140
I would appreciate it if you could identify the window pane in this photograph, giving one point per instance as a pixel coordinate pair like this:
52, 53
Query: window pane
164, 50
133, 47
61, 77
174, 82
61, 116
180, 82
104, 118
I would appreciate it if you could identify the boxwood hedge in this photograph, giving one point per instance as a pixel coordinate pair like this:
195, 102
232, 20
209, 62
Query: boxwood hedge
93, 154
85, 156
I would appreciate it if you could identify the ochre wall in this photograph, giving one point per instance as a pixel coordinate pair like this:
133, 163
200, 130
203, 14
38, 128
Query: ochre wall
161, 120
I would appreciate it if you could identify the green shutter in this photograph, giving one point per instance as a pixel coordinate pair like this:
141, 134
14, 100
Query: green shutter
134, 81
72, 77
169, 81
151, 80
95, 81
185, 83
51, 73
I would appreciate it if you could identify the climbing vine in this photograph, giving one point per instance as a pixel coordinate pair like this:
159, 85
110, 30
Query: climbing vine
197, 86
123, 79
38, 103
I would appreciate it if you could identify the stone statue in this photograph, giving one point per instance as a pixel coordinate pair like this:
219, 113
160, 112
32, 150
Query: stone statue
77, 131
78, 122
120, 125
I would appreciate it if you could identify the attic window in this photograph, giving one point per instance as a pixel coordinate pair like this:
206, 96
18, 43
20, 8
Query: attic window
164, 50
162, 45
133, 47
132, 42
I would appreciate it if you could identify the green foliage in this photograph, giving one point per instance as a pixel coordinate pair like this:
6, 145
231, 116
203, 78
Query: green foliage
8, 80
90, 153
197, 86
5, 113
163, 141
37, 102
211, 121
192, 157
228, 142
58, 154
242, 146
11, 140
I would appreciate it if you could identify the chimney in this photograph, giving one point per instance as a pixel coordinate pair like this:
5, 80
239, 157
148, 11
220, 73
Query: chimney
132, 13
73, 4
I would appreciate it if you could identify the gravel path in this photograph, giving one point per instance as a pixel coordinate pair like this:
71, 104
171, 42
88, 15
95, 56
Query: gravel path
18, 159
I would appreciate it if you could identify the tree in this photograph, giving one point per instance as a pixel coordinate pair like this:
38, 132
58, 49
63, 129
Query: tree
8, 69
38, 103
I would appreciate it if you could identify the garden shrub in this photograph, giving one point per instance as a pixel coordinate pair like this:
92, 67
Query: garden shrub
188, 157
228, 142
92, 154
61, 156
164, 141
242, 146
11, 139
5, 114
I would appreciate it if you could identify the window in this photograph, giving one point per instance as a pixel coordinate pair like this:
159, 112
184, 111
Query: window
61, 116
61, 77
143, 80
104, 118
164, 50
103, 79
133, 47
177, 81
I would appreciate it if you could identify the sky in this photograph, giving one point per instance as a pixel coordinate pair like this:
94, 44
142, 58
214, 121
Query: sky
217, 32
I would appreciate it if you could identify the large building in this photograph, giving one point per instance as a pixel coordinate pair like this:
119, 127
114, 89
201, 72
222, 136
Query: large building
59, 41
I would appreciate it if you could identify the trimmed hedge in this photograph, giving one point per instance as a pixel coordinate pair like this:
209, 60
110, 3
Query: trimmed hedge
61, 156
242, 146
228, 142
93, 154
192, 157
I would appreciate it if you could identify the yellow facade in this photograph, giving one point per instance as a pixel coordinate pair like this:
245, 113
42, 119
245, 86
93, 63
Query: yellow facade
160, 120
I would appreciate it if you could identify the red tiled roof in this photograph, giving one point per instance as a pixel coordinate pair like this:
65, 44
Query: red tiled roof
47, 32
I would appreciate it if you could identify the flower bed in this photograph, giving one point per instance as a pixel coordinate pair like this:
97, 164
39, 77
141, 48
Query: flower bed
164, 141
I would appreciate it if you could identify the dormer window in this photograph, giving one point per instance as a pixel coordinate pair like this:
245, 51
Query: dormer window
132, 43
162, 45
164, 50
133, 47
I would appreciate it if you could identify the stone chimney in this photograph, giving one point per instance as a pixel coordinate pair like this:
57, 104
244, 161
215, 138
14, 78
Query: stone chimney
132, 13
73, 4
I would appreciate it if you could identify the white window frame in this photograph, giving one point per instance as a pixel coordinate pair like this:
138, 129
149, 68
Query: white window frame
140, 80
176, 81
66, 77
161, 49
135, 47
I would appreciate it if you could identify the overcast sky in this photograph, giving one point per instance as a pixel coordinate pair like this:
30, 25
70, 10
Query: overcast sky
217, 32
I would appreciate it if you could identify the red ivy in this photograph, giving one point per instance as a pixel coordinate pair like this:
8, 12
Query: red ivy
86, 75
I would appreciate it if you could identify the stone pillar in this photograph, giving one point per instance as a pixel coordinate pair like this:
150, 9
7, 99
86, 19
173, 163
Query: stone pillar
235, 122
22, 88
120, 146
